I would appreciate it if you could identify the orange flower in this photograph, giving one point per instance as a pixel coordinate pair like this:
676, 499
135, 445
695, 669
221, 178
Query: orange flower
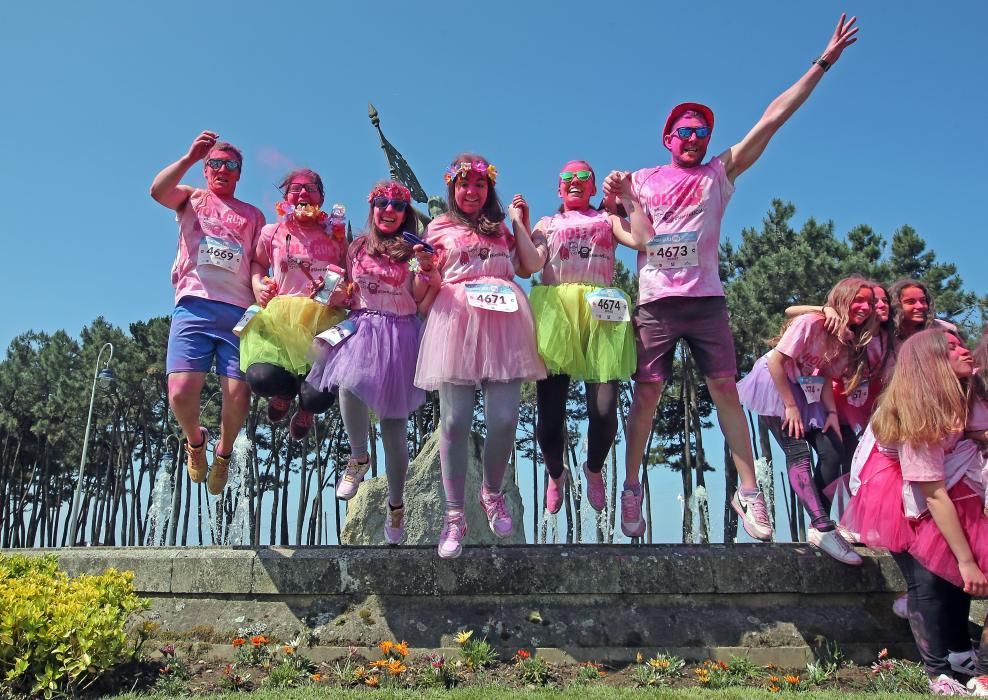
401, 649
316, 677
523, 654
259, 640
373, 681
289, 649
380, 663
386, 646
792, 680
774, 689
773, 679
395, 667
883, 653
239, 641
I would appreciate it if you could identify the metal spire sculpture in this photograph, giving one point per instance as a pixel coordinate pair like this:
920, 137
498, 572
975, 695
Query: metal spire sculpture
400, 170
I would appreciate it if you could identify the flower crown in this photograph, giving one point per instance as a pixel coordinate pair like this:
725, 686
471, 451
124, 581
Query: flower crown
391, 190
477, 166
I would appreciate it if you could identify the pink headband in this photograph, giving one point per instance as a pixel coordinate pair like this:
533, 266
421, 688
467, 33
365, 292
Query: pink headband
391, 190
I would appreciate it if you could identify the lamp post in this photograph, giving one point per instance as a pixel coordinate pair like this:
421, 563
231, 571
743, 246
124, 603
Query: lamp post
106, 376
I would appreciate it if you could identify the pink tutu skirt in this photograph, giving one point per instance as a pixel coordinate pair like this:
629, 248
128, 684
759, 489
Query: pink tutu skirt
875, 512
759, 395
376, 363
929, 547
463, 344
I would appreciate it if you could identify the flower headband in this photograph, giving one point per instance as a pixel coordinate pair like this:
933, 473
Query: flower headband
391, 190
477, 166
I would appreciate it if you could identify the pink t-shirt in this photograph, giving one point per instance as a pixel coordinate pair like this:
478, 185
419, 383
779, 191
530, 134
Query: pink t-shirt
977, 417
581, 248
215, 247
686, 206
806, 344
381, 283
466, 255
294, 249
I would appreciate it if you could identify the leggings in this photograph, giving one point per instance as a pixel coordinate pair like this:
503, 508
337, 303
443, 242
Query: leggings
356, 420
269, 380
551, 431
938, 615
456, 403
808, 483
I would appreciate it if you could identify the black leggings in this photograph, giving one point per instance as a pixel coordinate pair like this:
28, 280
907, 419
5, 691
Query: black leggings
551, 429
808, 482
938, 615
269, 380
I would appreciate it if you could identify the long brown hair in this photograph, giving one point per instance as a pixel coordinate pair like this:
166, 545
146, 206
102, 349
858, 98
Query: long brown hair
895, 294
490, 220
392, 245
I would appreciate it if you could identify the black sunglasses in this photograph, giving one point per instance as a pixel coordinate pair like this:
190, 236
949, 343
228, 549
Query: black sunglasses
399, 205
217, 163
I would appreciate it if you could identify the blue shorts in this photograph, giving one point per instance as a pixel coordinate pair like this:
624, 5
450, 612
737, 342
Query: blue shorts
201, 330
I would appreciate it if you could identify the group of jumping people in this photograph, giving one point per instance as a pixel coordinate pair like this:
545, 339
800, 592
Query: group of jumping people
296, 313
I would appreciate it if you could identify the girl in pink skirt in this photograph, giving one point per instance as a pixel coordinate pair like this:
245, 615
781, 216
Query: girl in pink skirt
371, 356
478, 334
922, 496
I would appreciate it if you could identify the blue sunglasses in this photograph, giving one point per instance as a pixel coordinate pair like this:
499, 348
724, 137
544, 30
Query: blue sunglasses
684, 132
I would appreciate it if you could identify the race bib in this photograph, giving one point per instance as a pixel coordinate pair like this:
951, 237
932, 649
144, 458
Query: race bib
338, 333
494, 297
608, 305
221, 253
859, 396
673, 250
812, 388
245, 319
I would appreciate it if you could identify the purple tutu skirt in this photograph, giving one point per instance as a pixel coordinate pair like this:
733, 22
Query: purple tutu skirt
376, 363
759, 395
463, 344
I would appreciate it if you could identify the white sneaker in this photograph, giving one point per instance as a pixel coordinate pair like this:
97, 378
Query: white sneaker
833, 544
901, 607
945, 685
754, 515
978, 686
353, 476
963, 662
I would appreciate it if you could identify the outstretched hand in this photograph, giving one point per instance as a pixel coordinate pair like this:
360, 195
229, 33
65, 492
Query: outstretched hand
203, 143
842, 38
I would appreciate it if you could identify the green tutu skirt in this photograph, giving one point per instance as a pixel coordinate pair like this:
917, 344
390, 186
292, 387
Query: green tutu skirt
572, 342
281, 333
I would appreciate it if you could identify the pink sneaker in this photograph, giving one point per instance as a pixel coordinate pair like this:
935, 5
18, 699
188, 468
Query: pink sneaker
497, 513
278, 409
452, 534
353, 476
300, 424
978, 686
554, 492
394, 524
595, 489
632, 523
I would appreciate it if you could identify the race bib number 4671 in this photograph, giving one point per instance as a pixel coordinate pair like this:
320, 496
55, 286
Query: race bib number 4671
494, 297
221, 253
673, 250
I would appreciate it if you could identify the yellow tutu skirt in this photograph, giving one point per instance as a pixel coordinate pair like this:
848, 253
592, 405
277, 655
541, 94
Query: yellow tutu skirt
572, 342
281, 333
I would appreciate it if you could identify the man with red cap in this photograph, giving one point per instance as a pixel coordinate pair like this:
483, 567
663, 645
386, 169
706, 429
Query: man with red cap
680, 206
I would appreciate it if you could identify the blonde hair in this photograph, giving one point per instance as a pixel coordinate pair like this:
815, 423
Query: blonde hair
925, 401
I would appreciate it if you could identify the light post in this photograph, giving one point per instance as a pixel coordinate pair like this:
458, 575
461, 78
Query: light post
106, 376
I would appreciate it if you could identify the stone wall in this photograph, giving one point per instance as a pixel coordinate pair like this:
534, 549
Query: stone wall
776, 603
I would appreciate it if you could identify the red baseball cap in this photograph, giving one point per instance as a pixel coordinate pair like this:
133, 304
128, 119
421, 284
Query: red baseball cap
677, 112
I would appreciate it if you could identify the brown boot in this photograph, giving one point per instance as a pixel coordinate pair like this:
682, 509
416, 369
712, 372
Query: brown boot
196, 458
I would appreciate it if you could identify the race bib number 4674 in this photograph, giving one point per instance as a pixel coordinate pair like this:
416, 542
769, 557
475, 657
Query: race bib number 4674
494, 297
608, 305
673, 250
221, 253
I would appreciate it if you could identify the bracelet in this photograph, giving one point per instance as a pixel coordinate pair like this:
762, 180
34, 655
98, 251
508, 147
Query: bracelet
831, 410
823, 64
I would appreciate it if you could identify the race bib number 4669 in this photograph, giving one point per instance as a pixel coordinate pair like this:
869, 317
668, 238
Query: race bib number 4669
221, 253
673, 250
495, 297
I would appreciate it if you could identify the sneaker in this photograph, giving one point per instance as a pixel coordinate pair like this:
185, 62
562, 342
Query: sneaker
945, 685
850, 535
978, 686
595, 489
278, 408
901, 607
832, 543
219, 472
353, 476
754, 515
196, 458
498, 516
300, 425
964, 662
554, 492
452, 534
394, 524
632, 523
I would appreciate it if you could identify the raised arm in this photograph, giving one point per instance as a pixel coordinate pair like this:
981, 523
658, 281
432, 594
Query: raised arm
742, 156
165, 189
637, 230
531, 259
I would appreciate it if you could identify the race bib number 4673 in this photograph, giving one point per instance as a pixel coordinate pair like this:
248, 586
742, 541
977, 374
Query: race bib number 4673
221, 253
608, 305
673, 250
494, 297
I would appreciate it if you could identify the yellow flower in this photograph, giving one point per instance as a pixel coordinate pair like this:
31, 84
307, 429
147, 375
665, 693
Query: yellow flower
464, 637
660, 664
774, 689
359, 673
638, 658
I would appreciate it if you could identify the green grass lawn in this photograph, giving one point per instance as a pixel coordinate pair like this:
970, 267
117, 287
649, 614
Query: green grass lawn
584, 693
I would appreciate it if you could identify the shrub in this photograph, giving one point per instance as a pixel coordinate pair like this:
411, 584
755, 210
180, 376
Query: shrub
58, 635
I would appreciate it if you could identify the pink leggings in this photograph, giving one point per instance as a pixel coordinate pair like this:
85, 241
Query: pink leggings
456, 404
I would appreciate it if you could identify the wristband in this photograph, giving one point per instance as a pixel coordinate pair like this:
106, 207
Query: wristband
823, 64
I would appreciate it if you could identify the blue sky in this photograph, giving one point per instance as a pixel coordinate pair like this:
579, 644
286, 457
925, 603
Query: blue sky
101, 95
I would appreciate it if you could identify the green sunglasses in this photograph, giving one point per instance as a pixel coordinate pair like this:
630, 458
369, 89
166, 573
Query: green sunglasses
581, 175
